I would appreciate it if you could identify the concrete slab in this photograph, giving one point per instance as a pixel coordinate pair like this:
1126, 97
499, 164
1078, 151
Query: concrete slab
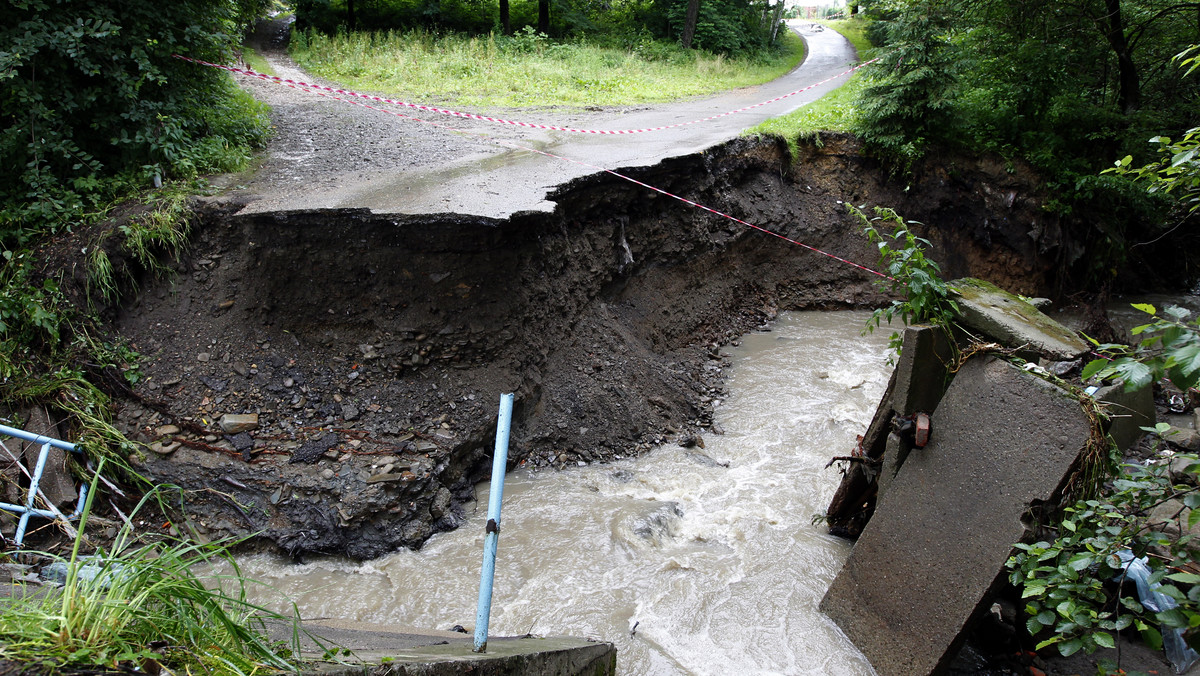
921, 372
1014, 322
940, 535
379, 650
1128, 412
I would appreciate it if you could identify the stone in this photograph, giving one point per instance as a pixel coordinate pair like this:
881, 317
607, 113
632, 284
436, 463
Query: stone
941, 534
203, 357
312, 451
57, 484
1013, 322
165, 448
349, 411
235, 423
166, 430
1183, 439
1128, 412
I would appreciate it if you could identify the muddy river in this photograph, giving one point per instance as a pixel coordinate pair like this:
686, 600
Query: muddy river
692, 561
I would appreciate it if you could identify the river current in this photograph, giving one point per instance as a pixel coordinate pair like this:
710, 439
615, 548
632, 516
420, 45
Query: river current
689, 566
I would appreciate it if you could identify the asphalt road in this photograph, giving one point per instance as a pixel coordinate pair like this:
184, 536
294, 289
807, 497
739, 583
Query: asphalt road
452, 172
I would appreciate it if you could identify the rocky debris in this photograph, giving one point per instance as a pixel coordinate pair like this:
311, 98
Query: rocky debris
313, 450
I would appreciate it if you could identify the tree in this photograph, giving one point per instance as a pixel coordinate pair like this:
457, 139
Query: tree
689, 23
908, 100
505, 22
544, 16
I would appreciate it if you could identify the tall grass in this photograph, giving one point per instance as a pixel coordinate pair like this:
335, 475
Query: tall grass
141, 606
528, 69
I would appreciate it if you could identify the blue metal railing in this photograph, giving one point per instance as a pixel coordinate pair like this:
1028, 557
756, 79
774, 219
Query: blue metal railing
28, 510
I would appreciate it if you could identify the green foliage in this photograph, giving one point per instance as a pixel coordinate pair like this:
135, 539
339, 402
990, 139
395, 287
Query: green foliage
93, 102
729, 27
907, 100
1176, 172
925, 298
1169, 347
143, 606
1073, 585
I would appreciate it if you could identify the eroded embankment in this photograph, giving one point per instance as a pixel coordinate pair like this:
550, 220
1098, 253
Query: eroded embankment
374, 348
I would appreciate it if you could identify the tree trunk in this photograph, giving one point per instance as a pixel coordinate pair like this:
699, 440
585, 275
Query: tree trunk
544, 16
689, 23
778, 16
505, 23
1129, 97
350, 19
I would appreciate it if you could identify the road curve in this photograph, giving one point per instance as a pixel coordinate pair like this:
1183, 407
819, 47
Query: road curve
330, 154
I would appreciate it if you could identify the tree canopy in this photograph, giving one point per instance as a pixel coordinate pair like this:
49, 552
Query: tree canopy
91, 92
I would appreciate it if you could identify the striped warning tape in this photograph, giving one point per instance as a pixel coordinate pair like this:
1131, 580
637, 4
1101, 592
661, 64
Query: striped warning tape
515, 123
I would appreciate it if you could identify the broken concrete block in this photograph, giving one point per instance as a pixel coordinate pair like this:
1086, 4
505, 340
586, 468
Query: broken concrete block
234, 423
921, 373
940, 535
1128, 412
893, 459
1013, 322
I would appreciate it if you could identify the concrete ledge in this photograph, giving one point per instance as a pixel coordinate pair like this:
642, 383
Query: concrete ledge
383, 650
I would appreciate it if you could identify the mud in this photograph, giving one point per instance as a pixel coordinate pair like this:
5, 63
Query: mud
378, 346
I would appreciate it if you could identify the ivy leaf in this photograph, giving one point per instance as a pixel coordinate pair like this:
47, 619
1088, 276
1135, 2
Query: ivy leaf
1135, 374
1068, 648
1093, 367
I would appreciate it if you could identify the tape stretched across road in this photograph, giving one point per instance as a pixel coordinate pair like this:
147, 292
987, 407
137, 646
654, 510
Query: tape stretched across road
515, 123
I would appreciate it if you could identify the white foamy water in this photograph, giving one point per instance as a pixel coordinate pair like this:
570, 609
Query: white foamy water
720, 568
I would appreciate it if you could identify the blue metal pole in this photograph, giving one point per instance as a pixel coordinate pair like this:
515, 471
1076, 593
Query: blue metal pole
36, 438
492, 538
33, 490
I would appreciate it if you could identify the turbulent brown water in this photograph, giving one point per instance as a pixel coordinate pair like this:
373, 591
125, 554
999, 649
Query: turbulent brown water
688, 566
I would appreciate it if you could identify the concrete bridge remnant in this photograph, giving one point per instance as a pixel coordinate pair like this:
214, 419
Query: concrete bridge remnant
936, 524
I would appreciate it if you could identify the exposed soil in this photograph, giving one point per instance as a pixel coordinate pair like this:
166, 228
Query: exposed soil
374, 349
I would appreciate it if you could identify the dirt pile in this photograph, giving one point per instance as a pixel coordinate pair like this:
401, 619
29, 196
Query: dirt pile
373, 348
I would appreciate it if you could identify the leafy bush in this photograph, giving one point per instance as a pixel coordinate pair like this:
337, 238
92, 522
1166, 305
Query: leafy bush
1169, 347
1075, 586
916, 278
93, 101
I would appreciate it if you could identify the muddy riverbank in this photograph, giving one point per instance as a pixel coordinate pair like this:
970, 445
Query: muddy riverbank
372, 349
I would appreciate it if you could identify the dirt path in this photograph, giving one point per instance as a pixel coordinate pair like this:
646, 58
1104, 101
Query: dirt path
330, 154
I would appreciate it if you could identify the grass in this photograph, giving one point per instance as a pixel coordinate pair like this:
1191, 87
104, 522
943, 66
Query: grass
255, 61
140, 607
528, 69
834, 111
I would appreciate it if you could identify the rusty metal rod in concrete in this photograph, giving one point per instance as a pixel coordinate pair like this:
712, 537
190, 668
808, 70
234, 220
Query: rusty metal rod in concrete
492, 537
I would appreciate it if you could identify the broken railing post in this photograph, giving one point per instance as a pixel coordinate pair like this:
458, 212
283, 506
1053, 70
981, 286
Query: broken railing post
492, 537
27, 510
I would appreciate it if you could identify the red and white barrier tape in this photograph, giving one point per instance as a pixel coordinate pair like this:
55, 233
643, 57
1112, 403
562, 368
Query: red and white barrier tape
516, 123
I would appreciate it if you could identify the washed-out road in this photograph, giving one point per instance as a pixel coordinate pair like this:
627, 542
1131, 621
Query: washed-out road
330, 154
